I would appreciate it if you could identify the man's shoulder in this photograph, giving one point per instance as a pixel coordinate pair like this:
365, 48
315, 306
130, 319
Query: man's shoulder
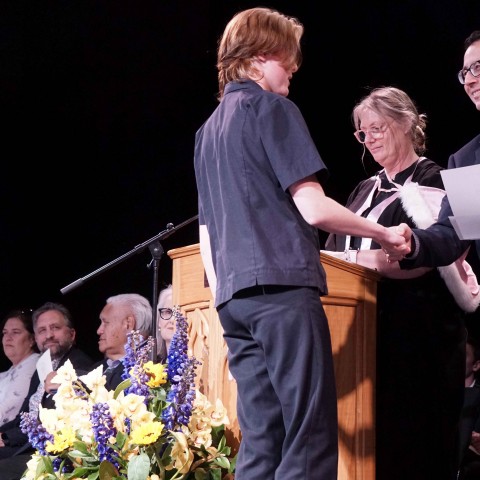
462, 155
78, 358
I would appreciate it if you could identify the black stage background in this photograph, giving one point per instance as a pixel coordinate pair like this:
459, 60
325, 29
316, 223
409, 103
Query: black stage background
101, 100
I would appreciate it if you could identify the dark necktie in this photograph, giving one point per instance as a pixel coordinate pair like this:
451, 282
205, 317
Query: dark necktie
112, 365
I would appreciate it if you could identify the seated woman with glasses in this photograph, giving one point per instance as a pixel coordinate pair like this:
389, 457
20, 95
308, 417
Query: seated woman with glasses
165, 322
420, 325
18, 341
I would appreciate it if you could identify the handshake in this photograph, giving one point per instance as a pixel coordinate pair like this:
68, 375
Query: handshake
397, 242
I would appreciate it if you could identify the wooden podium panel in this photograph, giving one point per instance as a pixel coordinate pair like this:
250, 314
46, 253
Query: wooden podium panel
351, 310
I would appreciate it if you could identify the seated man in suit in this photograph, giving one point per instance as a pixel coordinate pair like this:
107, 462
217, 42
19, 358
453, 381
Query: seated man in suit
54, 330
121, 314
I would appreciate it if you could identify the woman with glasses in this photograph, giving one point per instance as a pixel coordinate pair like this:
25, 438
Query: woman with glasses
18, 342
165, 322
420, 325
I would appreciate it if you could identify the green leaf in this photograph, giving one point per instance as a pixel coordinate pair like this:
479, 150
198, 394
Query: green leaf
200, 474
233, 464
86, 457
139, 467
80, 446
121, 439
216, 474
80, 472
107, 471
222, 443
45, 465
122, 386
222, 462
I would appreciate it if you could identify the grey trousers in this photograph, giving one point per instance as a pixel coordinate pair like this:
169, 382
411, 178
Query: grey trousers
281, 358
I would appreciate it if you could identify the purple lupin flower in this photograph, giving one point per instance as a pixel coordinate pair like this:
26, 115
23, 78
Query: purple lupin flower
181, 374
103, 429
63, 464
37, 435
137, 354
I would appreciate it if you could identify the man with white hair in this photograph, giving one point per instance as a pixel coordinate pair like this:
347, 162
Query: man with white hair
121, 314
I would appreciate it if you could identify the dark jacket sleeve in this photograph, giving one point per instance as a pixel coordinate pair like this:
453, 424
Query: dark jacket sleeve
439, 244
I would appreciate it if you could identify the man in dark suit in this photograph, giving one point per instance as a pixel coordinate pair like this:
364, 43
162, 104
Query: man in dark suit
439, 244
54, 330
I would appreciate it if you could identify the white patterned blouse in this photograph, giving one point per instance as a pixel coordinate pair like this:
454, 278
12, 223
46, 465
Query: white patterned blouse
14, 384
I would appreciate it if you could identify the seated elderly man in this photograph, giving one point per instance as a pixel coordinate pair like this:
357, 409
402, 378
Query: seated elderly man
121, 314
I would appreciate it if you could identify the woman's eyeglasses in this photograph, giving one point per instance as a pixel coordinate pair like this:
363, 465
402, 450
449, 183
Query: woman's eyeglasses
474, 69
165, 313
374, 132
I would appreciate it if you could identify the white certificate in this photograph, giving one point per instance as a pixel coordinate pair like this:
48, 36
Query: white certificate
44, 365
463, 190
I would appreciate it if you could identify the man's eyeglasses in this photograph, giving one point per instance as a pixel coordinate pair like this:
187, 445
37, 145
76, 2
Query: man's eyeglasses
375, 132
165, 313
474, 69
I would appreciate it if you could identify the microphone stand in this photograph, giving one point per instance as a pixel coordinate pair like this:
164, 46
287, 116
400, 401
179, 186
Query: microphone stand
156, 251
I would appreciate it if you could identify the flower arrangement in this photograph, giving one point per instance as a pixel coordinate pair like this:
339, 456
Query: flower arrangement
154, 426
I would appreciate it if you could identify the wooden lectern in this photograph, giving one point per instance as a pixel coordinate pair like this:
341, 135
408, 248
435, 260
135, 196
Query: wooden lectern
351, 311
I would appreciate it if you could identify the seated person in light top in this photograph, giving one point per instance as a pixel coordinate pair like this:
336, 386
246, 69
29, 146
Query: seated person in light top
18, 342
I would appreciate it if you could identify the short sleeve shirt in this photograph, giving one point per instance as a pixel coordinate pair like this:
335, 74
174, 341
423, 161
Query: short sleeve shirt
253, 147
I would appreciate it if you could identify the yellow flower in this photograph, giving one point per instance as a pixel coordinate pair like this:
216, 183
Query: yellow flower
181, 454
147, 433
201, 437
129, 406
156, 373
128, 427
201, 402
95, 382
218, 414
62, 440
199, 421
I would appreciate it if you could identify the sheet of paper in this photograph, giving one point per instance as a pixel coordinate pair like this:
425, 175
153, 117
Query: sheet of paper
463, 190
44, 365
467, 227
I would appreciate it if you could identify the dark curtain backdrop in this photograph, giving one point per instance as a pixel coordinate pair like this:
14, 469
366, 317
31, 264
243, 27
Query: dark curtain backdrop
101, 100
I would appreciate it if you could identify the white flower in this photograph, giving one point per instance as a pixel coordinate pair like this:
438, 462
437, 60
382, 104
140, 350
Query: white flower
65, 373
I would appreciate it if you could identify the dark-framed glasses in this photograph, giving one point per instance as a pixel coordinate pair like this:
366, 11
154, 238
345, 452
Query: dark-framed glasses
165, 313
374, 132
474, 69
